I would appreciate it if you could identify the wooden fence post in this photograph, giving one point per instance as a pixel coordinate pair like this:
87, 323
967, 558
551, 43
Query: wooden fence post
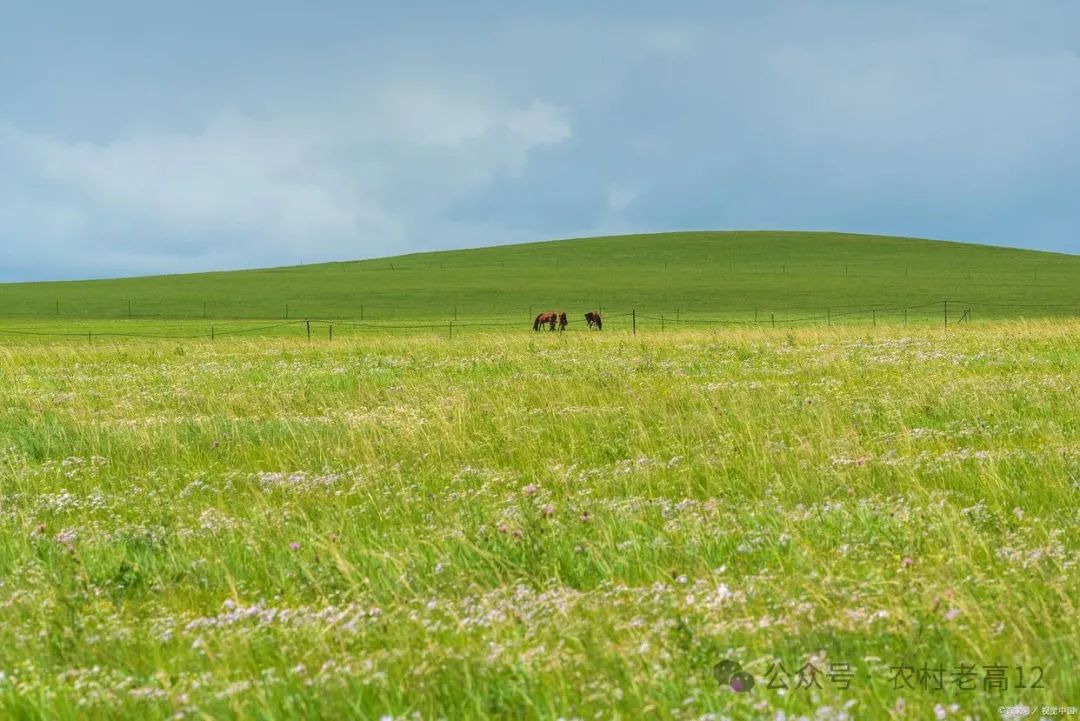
633, 319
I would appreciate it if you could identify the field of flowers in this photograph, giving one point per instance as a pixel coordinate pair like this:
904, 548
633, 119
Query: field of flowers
884, 520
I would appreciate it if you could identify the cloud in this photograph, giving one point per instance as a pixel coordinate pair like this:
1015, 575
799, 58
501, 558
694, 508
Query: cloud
347, 181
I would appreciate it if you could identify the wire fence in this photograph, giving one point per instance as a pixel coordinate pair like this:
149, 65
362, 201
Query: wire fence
948, 313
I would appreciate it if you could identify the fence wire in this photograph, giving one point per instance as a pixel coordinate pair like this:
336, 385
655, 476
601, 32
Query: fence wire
960, 312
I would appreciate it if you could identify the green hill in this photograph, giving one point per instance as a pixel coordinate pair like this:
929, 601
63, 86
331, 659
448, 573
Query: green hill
699, 274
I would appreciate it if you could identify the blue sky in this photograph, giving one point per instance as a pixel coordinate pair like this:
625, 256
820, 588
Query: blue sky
143, 137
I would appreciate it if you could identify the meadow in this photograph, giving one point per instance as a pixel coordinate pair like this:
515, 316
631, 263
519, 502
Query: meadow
729, 275
518, 525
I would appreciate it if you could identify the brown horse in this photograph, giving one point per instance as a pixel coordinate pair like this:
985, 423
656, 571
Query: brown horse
549, 319
593, 319
562, 322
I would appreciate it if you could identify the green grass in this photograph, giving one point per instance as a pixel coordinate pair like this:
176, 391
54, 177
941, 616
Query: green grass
707, 274
538, 526
470, 521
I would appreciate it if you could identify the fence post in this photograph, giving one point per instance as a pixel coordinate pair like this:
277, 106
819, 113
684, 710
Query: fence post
905, 316
875, 317
451, 330
331, 327
211, 334
946, 314
361, 311
308, 324
286, 311
828, 314
773, 317
633, 319
661, 322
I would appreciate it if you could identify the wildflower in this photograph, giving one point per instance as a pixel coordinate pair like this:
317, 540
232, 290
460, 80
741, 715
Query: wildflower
529, 490
908, 562
548, 510
952, 614
68, 536
294, 546
585, 516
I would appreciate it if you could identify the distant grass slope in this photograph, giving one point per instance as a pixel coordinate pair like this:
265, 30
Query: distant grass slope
720, 274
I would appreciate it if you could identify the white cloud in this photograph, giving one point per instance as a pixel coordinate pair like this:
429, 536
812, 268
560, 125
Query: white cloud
335, 183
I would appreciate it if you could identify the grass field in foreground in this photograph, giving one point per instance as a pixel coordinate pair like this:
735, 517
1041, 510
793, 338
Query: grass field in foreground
516, 527
707, 274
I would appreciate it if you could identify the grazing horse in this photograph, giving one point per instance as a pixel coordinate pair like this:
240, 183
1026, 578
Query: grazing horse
549, 319
593, 319
562, 322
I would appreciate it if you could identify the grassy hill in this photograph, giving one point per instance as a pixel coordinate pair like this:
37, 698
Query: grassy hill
699, 274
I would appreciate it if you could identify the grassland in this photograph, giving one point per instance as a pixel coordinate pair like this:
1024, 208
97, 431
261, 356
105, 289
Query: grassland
540, 526
717, 275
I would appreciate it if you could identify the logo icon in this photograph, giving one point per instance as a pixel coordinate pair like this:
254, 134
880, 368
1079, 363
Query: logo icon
730, 673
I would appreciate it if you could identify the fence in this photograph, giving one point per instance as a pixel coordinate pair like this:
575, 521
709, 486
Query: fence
947, 313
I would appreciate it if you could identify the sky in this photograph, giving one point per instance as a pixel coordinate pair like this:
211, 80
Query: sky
147, 137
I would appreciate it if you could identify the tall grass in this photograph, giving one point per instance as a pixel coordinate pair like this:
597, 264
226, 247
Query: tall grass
540, 526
